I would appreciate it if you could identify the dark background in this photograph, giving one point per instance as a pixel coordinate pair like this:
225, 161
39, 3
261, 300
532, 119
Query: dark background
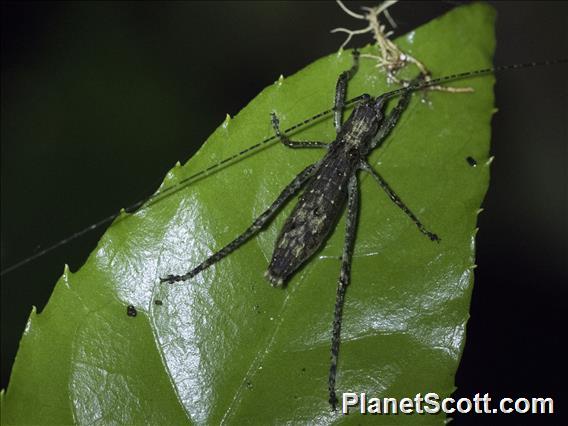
110, 95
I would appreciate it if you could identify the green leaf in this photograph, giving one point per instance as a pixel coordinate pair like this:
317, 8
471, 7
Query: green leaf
228, 347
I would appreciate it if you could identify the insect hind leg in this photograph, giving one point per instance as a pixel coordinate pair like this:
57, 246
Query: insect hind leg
398, 201
343, 282
258, 224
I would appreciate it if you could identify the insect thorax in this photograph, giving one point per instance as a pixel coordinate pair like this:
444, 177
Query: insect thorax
358, 131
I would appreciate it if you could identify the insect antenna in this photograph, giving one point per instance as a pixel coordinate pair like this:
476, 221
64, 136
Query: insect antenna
166, 192
417, 85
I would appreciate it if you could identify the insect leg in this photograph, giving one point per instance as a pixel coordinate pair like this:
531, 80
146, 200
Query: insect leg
396, 199
341, 91
293, 144
350, 228
259, 223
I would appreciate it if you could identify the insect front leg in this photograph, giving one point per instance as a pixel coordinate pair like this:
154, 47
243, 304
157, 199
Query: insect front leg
259, 223
341, 91
392, 119
293, 144
398, 201
350, 229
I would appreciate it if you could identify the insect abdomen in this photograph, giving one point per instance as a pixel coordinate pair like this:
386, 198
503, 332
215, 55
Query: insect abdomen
311, 221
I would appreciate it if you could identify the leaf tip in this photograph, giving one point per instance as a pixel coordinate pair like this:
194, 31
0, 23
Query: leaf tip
66, 274
123, 213
226, 121
31, 318
172, 175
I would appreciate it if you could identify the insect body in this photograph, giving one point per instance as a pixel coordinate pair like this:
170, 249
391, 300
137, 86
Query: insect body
166, 348
330, 184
